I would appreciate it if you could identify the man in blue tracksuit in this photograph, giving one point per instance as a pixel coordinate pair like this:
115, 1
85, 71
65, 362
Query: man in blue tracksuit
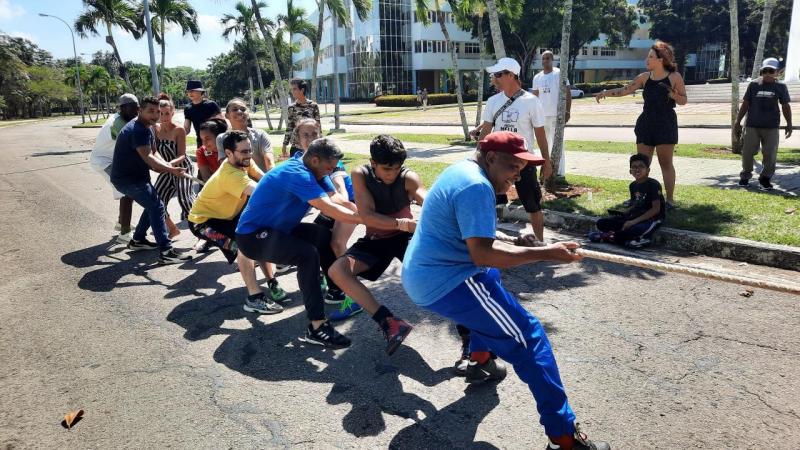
449, 268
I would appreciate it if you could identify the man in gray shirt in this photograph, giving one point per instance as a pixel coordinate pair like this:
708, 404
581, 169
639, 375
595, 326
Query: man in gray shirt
236, 113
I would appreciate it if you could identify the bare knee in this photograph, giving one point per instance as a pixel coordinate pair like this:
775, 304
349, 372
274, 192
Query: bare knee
340, 270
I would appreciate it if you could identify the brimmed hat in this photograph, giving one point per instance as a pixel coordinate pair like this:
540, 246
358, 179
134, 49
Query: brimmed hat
126, 99
505, 64
511, 143
195, 85
770, 63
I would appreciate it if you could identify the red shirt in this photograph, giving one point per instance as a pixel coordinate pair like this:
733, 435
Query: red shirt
207, 158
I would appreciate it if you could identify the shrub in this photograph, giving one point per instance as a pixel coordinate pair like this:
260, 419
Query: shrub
593, 88
411, 99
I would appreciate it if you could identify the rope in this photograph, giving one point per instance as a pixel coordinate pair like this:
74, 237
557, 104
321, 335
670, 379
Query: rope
693, 271
195, 179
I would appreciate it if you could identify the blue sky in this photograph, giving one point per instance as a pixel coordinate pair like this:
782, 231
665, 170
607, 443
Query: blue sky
20, 18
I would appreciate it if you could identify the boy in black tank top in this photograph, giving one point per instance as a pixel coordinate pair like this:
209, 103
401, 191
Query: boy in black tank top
384, 190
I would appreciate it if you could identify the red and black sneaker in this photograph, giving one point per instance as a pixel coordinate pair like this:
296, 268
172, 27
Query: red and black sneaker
579, 442
395, 331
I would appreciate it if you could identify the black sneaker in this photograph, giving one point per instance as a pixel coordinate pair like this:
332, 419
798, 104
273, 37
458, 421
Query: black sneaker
582, 442
764, 182
172, 257
395, 331
744, 182
334, 297
262, 305
144, 244
325, 336
491, 370
638, 243
460, 366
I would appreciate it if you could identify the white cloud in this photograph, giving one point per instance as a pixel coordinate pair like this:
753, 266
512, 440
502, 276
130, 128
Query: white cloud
9, 11
209, 24
24, 35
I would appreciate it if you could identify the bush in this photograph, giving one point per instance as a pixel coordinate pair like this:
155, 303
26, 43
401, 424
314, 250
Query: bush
411, 99
593, 88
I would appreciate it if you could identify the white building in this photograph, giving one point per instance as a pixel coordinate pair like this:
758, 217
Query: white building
390, 52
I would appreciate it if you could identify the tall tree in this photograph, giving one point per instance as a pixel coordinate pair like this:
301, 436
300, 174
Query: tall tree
497, 33
294, 22
276, 69
734, 14
470, 16
120, 13
558, 139
177, 12
244, 25
769, 5
421, 10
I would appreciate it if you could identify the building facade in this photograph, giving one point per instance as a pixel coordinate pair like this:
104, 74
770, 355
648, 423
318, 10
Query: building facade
391, 52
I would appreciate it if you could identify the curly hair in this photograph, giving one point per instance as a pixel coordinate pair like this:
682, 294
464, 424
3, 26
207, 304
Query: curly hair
666, 53
386, 149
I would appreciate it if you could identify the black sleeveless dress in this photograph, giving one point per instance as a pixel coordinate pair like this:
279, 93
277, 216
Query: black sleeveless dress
658, 123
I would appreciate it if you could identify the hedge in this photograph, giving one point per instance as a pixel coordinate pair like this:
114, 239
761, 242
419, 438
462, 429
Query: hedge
411, 99
592, 88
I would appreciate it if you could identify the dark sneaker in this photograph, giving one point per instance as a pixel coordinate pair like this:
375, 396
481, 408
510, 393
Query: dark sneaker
262, 305
601, 236
276, 293
395, 331
281, 268
460, 367
744, 182
172, 257
335, 297
491, 370
325, 336
348, 308
135, 246
765, 184
582, 442
669, 206
638, 243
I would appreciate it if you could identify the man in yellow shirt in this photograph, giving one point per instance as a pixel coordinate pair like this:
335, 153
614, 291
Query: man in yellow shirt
215, 214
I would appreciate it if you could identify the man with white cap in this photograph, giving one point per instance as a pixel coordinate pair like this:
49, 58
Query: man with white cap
763, 122
545, 86
103, 154
516, 110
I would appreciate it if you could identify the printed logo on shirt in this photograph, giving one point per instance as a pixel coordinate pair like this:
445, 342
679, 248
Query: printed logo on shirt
769, 94
510, 115
262, 235
208, 153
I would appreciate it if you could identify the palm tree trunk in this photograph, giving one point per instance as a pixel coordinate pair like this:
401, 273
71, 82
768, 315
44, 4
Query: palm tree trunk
558, 139
497, 34
481, 77
261, 87
317, 43
284, 99
163, 53
336, 99
454, 58
110, 40
762, 37
734, 10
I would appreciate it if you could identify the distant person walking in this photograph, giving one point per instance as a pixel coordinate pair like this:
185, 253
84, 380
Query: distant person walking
419, 98
657, 126
301, 108
763, 122
545, 86
424, 98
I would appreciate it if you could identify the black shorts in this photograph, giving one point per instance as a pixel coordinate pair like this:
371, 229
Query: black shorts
378, 253
224, 227
654, 129
528, 190
325, 221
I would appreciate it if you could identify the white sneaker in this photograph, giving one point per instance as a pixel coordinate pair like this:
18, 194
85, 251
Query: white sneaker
124, 238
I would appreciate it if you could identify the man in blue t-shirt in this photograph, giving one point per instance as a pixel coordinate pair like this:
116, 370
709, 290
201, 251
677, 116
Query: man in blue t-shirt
134, 157
270, 228
449, 268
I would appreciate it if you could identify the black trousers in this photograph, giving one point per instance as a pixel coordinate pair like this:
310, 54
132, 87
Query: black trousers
308, 247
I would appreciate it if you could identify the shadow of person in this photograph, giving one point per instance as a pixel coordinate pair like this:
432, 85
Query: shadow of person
454, 426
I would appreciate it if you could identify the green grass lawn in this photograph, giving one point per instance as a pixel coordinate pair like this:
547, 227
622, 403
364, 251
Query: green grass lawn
785, 155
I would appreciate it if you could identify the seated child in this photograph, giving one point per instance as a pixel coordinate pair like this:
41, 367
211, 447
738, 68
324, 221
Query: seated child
634, 226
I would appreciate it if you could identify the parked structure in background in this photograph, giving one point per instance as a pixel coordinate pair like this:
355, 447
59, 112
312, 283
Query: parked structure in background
391, 52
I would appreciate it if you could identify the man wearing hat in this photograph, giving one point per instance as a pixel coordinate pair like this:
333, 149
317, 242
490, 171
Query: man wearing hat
200, 110
451, 265
517, 110
763, 122
103, 154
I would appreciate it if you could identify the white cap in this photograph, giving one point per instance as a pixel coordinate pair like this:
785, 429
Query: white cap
770, 63
125, 99
505, 64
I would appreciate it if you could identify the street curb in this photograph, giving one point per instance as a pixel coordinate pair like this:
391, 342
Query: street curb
448, 124
752, 252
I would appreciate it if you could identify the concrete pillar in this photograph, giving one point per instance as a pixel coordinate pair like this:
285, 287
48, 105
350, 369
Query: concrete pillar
793, 52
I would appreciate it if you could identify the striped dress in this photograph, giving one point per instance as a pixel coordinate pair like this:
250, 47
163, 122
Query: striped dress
167, 185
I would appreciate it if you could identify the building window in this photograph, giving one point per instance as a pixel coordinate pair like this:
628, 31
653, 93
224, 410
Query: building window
594, 51
608, 52
471, 48
585, 51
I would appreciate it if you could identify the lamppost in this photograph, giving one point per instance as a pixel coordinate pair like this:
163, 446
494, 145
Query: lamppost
77, 63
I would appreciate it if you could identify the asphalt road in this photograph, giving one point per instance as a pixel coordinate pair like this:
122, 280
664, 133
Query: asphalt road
166, 357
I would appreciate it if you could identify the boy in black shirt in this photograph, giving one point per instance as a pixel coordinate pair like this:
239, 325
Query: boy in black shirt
201, 109
634, 226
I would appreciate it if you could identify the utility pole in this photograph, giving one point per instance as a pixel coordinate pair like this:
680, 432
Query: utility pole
153, 69
77, 64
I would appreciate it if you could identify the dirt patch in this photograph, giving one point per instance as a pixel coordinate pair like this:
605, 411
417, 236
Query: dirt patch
718, 150
562, 191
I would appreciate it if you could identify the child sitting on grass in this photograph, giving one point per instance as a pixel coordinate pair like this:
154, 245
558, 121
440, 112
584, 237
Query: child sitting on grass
634, 226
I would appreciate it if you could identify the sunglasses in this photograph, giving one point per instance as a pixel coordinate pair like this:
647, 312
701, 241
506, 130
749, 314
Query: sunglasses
770, 70
500, 74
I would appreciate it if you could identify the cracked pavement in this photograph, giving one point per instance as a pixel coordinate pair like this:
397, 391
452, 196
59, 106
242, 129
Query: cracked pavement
165, 356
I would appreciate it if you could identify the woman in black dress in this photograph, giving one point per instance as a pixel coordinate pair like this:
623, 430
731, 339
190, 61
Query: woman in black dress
657, 127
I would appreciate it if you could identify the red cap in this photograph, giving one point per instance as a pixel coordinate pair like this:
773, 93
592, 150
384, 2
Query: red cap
511, 143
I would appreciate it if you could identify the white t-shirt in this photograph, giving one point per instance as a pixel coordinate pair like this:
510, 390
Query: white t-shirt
103, 150
520, 117
547, 85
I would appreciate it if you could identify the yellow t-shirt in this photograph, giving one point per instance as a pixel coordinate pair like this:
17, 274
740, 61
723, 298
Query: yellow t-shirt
223, 195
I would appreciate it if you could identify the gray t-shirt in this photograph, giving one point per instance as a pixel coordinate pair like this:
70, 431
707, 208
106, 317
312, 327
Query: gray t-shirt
764, 99
259, 143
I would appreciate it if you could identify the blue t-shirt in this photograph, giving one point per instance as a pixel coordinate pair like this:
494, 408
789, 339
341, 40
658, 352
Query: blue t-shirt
128, 167
460, 205
281, 198
341, 171
326, 182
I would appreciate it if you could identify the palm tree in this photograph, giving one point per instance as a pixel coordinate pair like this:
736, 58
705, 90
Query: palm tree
120, 13
244, 24
178, 12
769, 5
558, 139
340, 15
468, 9
421, 10
295, 22
263, 26
497, 34
734, 10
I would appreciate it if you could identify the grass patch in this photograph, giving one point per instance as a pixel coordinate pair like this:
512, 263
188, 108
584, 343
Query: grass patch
440, 139
89, 125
